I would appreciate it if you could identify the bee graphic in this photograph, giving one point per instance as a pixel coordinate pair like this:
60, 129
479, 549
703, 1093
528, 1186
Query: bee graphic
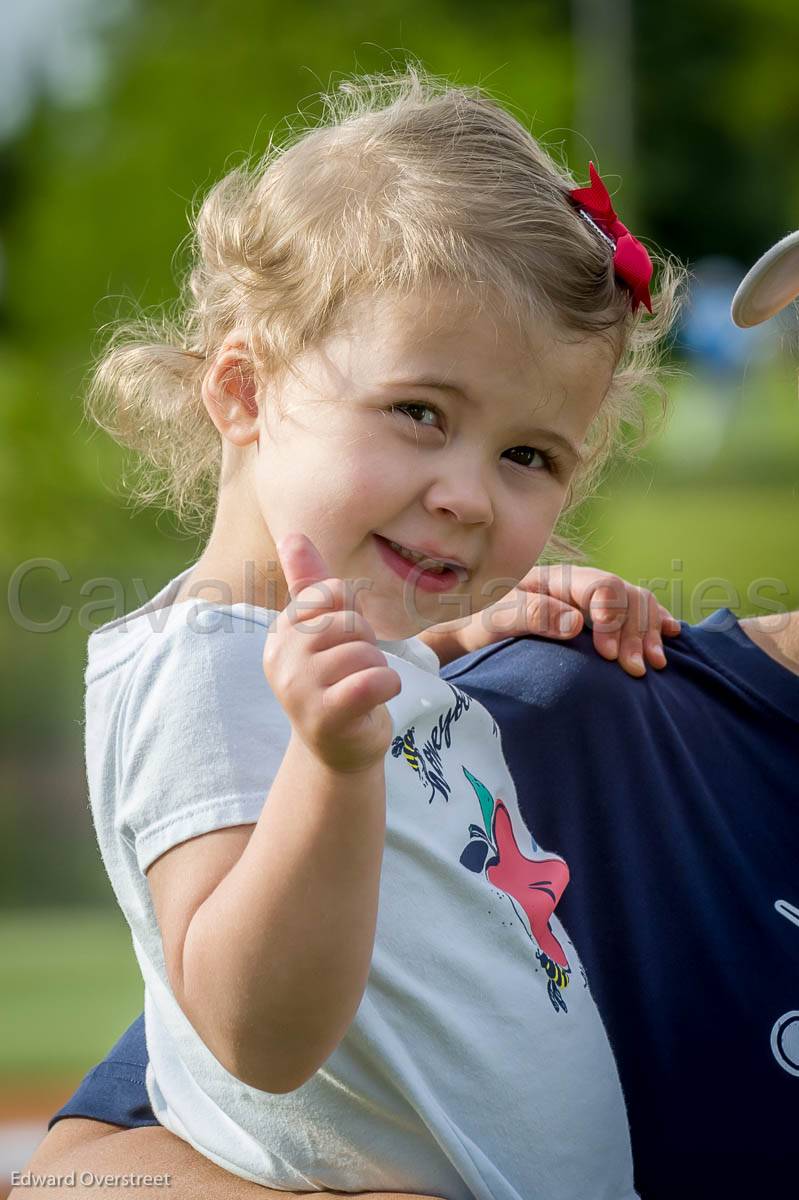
429, 776
557, 979
406, 745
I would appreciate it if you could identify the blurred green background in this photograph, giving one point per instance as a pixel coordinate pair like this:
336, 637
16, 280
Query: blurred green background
115, 116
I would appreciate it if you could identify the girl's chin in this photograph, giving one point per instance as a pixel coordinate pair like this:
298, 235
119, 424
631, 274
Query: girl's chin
393, 626
396, 628
392, 632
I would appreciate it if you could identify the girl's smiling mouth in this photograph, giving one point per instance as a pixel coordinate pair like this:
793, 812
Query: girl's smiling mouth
431, 574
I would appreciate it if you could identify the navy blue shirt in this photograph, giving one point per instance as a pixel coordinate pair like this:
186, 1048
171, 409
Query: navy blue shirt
675, 801
673, 798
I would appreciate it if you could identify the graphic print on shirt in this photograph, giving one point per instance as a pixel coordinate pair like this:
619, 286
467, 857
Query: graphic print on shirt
535, 885
785, 1034
425, 760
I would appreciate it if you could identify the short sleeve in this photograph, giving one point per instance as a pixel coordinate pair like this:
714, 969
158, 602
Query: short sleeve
201, 735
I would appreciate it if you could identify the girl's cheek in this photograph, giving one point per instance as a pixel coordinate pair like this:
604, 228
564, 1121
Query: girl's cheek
527, 548
379, 479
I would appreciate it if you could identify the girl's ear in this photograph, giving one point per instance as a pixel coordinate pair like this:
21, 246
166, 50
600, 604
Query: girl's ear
230, 392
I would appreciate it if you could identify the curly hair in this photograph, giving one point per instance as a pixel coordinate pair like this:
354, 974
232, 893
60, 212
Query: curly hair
404, 182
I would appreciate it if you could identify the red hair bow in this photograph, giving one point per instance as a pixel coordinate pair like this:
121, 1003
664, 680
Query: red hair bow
631, 262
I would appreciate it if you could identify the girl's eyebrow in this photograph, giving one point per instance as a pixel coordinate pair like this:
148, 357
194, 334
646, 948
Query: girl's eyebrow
424, 381
550, 435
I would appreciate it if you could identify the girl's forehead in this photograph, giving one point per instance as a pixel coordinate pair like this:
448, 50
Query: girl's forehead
430, 327
441, 311
392, 345
452, 332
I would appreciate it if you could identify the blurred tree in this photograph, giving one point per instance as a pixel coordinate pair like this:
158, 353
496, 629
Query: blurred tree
717, 110
108, 189
92, 228
94, 201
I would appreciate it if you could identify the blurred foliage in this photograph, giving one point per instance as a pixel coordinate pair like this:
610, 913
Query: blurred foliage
94, 204
717, 105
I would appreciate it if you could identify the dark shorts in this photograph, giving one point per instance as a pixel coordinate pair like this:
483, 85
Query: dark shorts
114, 1090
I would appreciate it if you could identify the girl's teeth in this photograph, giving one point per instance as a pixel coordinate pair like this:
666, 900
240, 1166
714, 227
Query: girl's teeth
412, 556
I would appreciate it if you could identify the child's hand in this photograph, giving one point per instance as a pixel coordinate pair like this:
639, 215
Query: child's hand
323, 665
628, 622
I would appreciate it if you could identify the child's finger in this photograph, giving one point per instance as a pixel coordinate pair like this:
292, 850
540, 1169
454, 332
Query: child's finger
606, 644
639, 623
669, 625
631, 655
652, 627
609, 613
654, 653
358, 694
348, 658
340, 626
301, 562
655, 621
547, 617
609, 605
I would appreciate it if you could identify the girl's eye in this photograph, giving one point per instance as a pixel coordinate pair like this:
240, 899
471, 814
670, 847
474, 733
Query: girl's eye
532, 458
526, 456
412, 410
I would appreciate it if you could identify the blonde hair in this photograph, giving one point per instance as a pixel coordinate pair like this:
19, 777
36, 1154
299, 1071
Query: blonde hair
405, 182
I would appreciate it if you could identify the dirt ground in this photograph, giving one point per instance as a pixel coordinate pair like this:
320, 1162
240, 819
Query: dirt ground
20, 1101
29, 1104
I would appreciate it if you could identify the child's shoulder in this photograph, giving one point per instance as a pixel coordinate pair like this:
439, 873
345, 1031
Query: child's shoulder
191, 641
183, 733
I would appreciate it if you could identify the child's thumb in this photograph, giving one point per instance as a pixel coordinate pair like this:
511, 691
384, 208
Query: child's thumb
301, 562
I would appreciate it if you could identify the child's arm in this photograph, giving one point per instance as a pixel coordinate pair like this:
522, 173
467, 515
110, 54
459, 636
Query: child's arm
627, 621
268, 929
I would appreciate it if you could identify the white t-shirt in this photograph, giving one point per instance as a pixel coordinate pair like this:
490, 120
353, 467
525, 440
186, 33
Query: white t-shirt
477, 1064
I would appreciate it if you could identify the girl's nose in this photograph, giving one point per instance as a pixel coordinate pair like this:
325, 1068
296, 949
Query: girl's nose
464, 495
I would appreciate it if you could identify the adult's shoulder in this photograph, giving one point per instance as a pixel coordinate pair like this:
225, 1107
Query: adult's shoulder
713, 661
545, 674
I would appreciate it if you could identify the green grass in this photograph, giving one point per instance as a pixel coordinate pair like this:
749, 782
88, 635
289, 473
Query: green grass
69, 986
714, 498
714, 547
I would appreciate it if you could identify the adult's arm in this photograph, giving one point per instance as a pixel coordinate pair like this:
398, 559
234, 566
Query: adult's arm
93, 1150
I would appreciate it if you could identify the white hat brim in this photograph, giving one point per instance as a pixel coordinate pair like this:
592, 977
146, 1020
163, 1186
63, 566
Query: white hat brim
770, 285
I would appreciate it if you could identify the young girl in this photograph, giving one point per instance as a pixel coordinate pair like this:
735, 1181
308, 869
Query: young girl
407, 344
